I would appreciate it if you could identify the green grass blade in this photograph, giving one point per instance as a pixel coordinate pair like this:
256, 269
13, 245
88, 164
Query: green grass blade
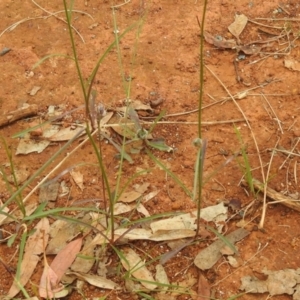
170, 173
39, 171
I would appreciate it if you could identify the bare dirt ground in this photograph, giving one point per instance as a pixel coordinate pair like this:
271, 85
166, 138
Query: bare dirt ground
167, 67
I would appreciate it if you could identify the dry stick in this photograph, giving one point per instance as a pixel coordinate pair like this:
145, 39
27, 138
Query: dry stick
295, 172
264, 208
289, 154
280, 19
18, 114
249, 126
276, 118
57, 166
261, 24
277, 197
13, 26
175, 122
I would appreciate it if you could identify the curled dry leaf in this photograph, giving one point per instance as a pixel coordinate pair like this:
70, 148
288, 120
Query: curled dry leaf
220, 43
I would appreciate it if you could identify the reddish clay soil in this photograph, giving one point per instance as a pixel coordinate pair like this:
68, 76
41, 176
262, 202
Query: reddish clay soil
166, 66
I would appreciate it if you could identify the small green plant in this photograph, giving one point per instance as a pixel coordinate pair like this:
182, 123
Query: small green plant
111, 192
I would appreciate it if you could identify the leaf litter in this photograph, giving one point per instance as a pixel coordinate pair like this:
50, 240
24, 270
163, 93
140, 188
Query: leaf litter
280, 282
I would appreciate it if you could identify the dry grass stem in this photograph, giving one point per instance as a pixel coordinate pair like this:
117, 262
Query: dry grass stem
276, 118
262, 24
57, 166
246, 120
289, 153
264, 208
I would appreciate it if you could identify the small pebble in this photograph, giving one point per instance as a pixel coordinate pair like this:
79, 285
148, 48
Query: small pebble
4, 51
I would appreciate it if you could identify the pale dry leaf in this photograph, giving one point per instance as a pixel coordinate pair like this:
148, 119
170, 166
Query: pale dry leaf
49, 282
141, 188
215, 213
125, 129
67, 134
278, 282
21, 174
207, 257
128, 197
34, 90
33, 248
143, 210
162, 277
167, 235
61, 232
136, 267
98, 281
3, 218
239, 24
78, 178
27, 146
138, 105
292, 64
121, 208
86, 260
150, 196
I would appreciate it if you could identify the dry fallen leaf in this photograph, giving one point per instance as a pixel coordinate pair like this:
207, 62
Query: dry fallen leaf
95, 280
85, 262
131, 196
220, 43
64, 259
237, 27
278, 282
203, 292
49, 283
34, 90
61, 232
210, 255
78, 178
136, 267
162, 277
67, 134
34, 247
292, 64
